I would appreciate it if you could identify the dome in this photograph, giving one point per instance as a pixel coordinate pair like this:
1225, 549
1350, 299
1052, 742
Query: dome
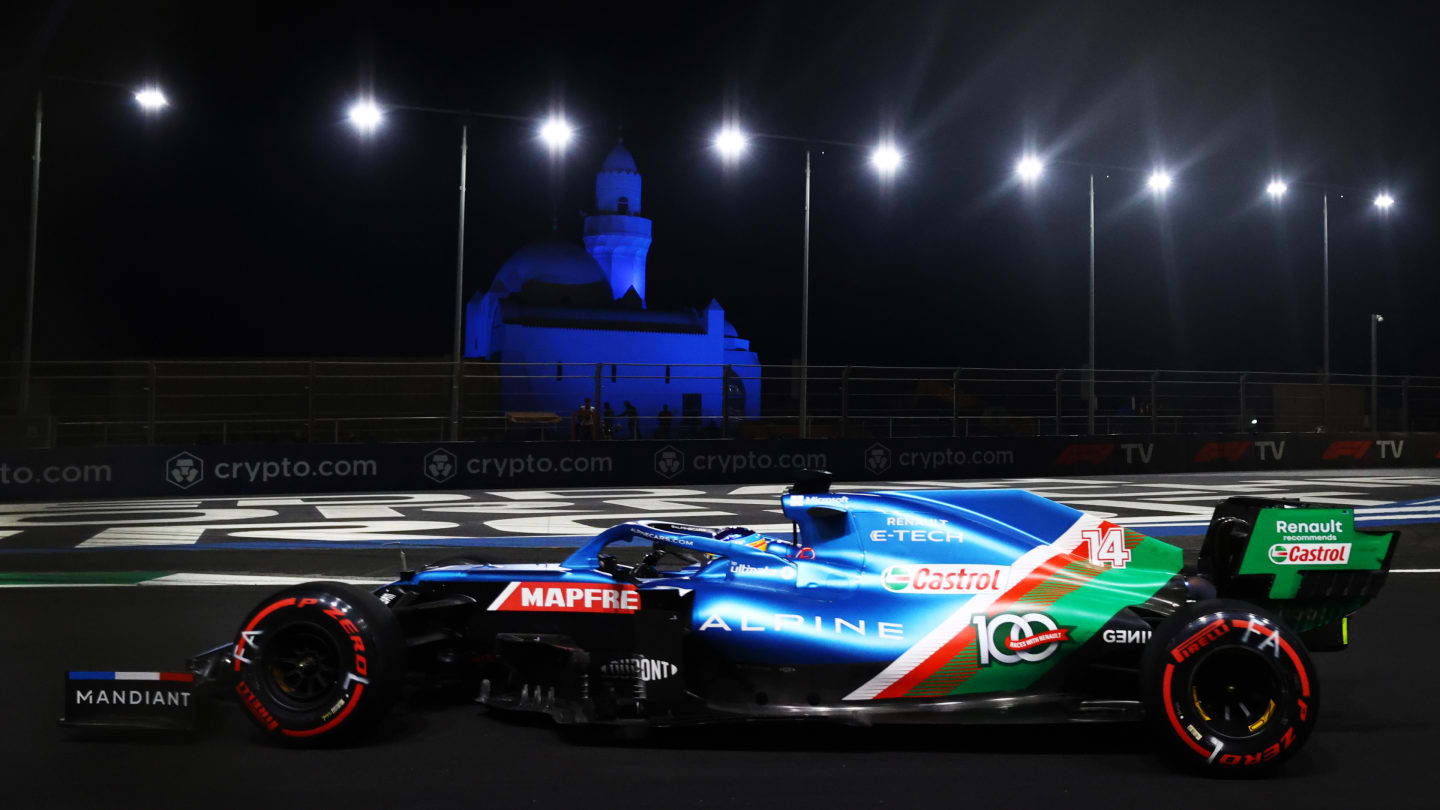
552, 263
619, 160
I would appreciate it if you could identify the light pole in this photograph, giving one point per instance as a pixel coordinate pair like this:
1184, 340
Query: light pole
457, 350
1029, 169
555, 132
22, 405
1383, 201
1375, 321
1277, 188
805, 312
731, 142
150, 99
1090, 362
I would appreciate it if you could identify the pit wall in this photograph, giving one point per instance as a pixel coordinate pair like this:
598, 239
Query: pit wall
222, 470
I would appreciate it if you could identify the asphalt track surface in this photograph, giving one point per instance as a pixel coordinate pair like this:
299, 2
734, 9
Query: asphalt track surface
1375, 745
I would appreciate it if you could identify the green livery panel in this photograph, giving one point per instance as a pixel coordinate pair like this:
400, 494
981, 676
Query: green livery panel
1309, 564
1286, 543
1076, 595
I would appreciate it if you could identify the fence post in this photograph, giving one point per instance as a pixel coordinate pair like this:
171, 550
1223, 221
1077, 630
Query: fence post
460, 397
595, 420
955, 403
1325, 401
1244, 422
845, 402
1059, 378
1154, 400
151, 381
310, 401
725, 401
1404, 404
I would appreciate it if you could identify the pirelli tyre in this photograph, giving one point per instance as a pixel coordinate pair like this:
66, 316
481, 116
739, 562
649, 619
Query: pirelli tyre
319, 663
1228, 688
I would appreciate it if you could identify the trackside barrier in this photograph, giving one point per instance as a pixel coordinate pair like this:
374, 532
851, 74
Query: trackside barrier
358, 401
183, 472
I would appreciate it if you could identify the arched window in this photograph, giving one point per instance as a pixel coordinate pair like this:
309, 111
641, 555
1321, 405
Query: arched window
623, 205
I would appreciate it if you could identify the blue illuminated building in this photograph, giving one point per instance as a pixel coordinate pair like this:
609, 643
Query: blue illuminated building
578, 316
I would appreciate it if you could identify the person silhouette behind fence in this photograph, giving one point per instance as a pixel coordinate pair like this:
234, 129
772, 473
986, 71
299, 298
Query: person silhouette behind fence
609, 423
664, 417
631, 415
585, 421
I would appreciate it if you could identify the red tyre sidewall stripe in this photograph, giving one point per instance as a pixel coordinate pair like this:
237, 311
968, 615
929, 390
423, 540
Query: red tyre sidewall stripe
1175, 721
240, 645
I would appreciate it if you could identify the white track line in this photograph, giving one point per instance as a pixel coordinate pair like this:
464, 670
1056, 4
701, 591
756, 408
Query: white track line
210, 580
256, 579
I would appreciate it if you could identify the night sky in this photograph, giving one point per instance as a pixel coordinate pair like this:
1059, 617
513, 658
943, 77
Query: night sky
250, 220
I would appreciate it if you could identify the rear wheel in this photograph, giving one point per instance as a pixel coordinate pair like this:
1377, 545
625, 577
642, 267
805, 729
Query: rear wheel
1228, 688
320, 662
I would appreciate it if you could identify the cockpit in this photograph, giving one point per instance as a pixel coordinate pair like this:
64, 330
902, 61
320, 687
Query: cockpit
650, 550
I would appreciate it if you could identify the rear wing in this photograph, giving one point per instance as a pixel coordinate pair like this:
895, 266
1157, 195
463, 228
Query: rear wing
1307, 563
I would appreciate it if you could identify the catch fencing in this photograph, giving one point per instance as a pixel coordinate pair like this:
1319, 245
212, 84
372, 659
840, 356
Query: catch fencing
200, 402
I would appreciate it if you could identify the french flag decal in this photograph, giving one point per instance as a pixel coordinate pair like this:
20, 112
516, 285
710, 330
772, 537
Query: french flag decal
132, 676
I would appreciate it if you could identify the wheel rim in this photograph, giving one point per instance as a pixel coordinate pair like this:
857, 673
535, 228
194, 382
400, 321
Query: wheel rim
1236, 691
300, 666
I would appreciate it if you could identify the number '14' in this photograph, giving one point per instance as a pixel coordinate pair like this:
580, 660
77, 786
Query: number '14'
1107, 546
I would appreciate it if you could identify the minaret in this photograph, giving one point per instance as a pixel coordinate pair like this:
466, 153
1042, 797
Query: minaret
617, 236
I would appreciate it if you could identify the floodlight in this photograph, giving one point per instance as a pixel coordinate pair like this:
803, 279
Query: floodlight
556, 132
1029, 168
886, 159
151, 98
731, 142
365, 115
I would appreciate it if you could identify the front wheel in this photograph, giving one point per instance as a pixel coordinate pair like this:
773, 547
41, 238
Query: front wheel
1228, 688
319, 663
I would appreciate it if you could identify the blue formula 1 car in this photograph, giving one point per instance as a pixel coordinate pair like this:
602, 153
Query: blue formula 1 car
925, 606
